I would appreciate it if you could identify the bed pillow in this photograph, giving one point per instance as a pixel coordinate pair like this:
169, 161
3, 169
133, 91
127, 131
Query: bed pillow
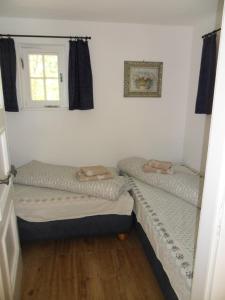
64, 178
184, 183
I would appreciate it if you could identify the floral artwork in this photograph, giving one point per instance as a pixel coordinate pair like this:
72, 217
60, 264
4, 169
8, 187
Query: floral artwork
142, 79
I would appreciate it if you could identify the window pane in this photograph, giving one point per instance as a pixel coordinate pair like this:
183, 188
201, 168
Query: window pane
37, 89
36, 65
51, 66
52, 89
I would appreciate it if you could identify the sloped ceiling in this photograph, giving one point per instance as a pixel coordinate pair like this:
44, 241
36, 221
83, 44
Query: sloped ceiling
132, 11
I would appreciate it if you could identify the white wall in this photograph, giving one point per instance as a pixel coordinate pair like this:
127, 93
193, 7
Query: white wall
197, 125
118, 126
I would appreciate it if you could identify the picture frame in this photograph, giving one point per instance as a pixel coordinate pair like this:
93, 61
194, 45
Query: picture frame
143, 79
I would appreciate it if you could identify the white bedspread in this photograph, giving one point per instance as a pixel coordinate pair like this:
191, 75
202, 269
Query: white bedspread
171, 225
37, 204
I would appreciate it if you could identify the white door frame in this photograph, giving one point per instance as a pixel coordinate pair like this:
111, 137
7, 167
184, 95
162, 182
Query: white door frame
209, 271
10, 257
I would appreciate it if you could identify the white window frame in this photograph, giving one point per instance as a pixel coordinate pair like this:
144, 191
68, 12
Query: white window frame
26, 101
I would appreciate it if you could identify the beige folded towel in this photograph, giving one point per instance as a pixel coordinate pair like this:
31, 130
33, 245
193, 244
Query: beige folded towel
94, 170
82, 177
149, 169
157, 164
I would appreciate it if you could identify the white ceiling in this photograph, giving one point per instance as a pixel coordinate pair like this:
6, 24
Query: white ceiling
131, 11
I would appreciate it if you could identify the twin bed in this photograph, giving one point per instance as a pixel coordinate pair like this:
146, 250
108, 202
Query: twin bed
51, 203
53, 214
170, 225
166, 209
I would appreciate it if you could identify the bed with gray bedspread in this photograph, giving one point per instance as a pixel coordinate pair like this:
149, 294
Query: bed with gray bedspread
52, 203
167, 208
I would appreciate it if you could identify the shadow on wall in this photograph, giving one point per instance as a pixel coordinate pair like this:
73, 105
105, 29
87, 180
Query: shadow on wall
205, 143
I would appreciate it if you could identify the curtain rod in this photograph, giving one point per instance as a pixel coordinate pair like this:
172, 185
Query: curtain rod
46, 36
210, 33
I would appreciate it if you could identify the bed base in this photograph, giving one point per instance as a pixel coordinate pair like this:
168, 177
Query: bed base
82, 227
159, 272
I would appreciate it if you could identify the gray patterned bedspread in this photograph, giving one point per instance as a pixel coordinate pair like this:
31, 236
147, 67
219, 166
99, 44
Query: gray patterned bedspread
184, 183
171, 225
64, 178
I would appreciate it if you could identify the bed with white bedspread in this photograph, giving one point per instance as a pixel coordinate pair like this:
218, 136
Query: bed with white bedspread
169, 221
36, 204
50, 203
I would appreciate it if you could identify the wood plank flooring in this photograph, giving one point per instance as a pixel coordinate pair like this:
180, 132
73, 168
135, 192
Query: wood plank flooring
99, 268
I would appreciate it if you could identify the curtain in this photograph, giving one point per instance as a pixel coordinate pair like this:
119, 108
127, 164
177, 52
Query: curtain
80, 76
207, 76
8, 72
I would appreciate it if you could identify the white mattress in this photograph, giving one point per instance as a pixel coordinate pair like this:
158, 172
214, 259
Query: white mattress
37, 204
171, 225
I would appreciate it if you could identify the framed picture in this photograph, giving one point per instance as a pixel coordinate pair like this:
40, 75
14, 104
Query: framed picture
142, 79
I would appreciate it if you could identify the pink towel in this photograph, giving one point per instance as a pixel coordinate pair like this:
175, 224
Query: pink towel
82, 177
157, 164
149, 169
94, 170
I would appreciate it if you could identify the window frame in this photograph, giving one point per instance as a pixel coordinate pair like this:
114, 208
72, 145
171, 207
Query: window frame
24, 79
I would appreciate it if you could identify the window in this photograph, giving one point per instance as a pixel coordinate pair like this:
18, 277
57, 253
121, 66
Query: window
41, 76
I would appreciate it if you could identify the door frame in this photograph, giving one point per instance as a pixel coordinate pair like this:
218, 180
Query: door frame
10, 254
209, 270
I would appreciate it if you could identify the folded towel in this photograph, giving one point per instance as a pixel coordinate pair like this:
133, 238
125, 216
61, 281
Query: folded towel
157, 164
149, 169
82, 177
94, 170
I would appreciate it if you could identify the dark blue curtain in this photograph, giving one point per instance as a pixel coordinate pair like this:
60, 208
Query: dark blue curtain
207, 76
80, 76
8, 72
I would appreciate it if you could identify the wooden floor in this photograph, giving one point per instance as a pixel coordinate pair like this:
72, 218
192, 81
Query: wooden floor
102, 268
